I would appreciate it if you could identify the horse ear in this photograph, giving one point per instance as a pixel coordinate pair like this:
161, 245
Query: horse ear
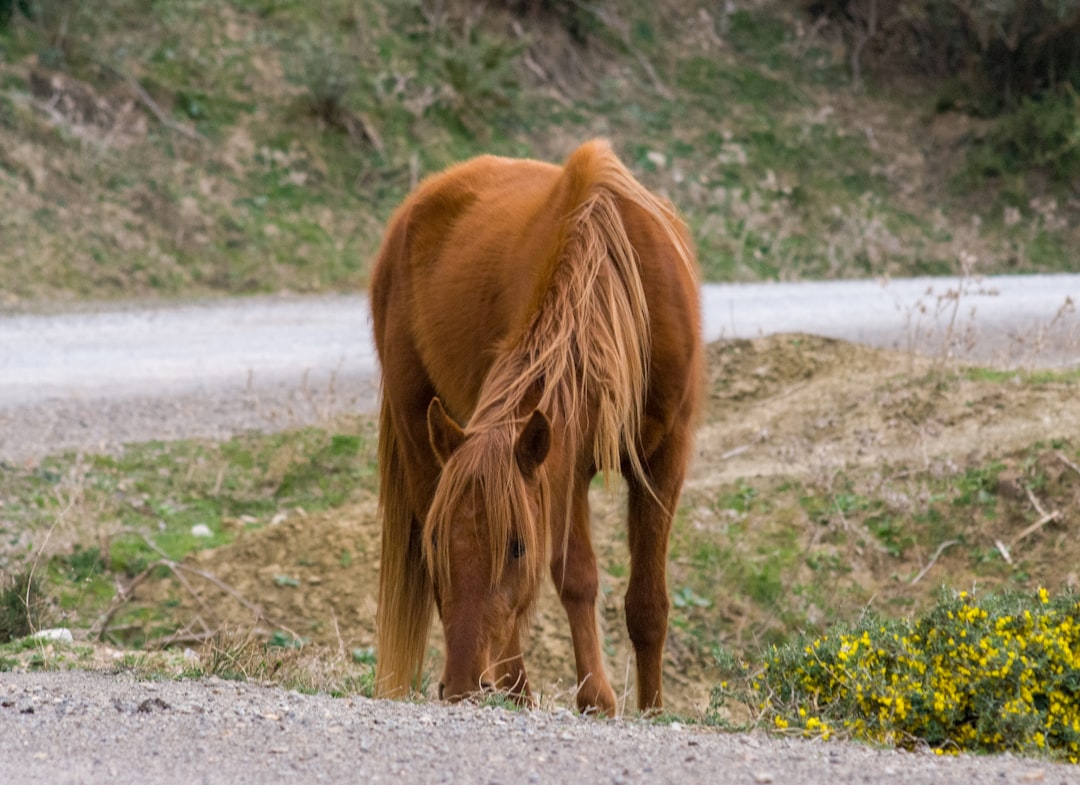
444, 434
533, 443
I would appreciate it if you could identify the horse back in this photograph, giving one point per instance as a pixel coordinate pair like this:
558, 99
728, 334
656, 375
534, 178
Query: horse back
470, 253
460, 266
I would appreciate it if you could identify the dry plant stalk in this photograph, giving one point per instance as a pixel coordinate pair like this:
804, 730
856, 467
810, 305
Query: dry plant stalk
1044, 518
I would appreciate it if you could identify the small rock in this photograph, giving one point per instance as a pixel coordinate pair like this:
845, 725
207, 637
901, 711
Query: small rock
54, 634
201, 530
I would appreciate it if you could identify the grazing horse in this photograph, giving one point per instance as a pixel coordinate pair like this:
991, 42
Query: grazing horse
553, 312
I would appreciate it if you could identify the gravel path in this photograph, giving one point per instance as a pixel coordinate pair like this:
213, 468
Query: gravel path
80, 727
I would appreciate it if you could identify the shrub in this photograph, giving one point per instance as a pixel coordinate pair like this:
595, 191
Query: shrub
1004, 49
8, 8
998, 675
1041, 133
330, 77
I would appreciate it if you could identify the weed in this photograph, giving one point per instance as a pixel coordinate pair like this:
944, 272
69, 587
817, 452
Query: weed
497, 699
978, 487
23, 607
688, 598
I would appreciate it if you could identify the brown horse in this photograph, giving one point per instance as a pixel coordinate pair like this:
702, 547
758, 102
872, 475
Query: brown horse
554, 311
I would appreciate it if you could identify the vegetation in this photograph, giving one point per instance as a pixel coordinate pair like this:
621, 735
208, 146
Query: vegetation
132, 517
163, 149
834, 679
990, 674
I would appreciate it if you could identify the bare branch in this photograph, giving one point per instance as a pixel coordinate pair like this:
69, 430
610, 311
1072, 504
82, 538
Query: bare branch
933, 560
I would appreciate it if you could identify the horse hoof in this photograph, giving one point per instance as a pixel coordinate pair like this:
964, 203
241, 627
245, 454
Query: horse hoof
598, 704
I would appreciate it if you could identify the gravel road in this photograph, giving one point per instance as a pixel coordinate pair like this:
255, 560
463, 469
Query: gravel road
79, 727
100, 377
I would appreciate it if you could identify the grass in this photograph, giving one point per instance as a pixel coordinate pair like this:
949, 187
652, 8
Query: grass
234, 655
792, 560
266, 143
85, 523
784, 555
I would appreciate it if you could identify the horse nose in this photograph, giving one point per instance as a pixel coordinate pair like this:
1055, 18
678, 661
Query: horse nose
485, 686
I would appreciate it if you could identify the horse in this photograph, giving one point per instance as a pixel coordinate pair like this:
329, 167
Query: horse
535, 325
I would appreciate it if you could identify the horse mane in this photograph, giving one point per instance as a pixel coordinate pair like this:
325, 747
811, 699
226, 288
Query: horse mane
481, 469
582, 358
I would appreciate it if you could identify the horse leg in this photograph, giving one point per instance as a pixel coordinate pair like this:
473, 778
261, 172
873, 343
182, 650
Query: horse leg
649, 527
575, 575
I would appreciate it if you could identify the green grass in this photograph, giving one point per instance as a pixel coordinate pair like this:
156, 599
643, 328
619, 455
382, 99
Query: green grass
1026, 377
150, 502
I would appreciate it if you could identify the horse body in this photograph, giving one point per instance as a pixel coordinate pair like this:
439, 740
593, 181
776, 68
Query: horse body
554, 311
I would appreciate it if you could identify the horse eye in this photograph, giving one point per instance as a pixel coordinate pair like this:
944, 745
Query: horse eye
517, 549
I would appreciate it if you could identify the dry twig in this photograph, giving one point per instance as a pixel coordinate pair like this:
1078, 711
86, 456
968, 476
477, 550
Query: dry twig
1004, 551
148, 101
1061, 457
933, 560
1044, 518
124, 594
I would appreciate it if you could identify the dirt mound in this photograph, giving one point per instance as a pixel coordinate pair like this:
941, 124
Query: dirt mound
314, 576
800, 404
827, 476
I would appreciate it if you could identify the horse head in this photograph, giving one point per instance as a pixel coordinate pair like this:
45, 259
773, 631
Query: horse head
485, 543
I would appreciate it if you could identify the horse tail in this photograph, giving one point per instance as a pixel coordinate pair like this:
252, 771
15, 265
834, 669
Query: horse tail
405, 594
613, 335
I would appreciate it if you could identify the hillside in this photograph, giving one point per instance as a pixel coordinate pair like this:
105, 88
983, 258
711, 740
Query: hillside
203, 148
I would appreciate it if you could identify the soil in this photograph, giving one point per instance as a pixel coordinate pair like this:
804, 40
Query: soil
782, 411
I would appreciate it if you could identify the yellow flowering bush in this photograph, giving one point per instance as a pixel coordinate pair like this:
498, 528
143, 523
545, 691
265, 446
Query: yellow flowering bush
1000, 674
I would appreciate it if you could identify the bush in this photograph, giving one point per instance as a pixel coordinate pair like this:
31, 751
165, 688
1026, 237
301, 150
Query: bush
1004, 49
8, 8
1041, 133
992, 676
